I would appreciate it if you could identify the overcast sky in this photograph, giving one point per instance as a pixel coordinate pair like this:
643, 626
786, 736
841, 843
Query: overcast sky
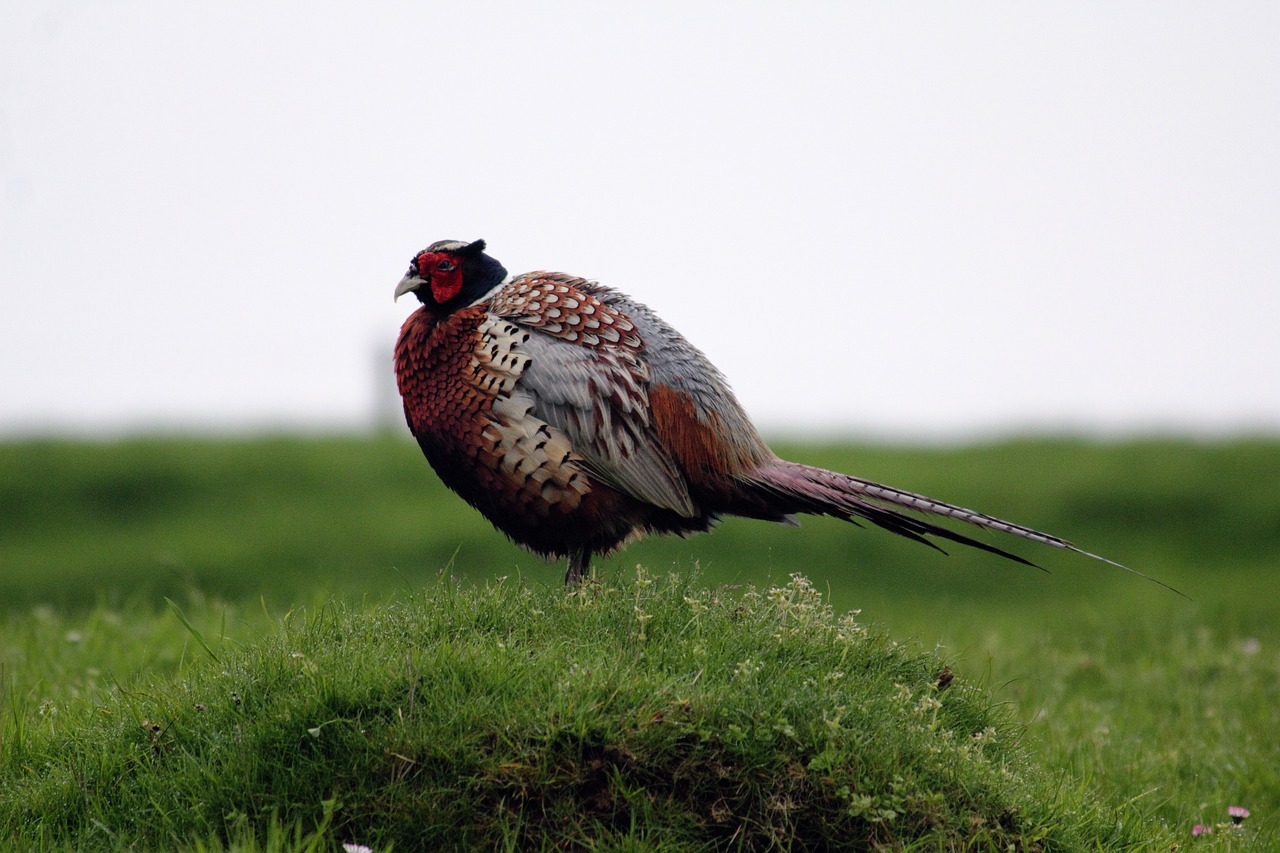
892, 219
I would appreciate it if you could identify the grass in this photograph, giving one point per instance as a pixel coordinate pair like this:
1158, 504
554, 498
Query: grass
308, 595
654, 712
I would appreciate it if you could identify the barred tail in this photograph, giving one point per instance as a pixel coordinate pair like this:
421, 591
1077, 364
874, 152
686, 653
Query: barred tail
803, 488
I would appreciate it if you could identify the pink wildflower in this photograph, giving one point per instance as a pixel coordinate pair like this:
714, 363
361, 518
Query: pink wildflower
1200, 829
1238, 814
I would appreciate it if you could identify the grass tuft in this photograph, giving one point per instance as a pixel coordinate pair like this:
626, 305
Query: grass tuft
655, 713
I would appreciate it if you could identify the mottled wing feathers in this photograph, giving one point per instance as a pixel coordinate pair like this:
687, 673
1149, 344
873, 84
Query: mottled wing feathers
561, 306
696, 415
459, 382
586, 376
527, 452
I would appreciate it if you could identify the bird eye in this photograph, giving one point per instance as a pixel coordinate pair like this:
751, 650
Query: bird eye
446, 266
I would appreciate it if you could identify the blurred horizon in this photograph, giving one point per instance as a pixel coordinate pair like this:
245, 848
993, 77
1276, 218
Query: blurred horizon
384, 415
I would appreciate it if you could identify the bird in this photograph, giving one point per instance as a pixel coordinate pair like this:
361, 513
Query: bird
576, 421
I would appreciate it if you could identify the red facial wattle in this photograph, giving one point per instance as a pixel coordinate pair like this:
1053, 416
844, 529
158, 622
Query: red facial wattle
444, 272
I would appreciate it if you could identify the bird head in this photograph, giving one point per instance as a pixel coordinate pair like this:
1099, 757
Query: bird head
450, 274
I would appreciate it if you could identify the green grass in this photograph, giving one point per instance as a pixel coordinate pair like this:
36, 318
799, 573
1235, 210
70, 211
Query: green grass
306, 576
654, 712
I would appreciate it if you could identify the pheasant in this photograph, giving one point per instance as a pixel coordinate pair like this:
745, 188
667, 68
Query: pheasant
576, 420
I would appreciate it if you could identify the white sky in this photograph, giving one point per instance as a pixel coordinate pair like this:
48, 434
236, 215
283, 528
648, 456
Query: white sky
914, 220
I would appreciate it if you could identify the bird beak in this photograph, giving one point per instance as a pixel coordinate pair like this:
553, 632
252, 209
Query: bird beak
408, 284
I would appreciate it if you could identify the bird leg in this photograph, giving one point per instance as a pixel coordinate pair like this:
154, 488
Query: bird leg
579, 559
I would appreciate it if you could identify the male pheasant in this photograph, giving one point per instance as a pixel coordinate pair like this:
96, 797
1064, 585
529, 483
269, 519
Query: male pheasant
576, 420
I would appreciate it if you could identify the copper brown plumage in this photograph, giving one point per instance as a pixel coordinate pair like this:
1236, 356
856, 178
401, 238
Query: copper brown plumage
576, 420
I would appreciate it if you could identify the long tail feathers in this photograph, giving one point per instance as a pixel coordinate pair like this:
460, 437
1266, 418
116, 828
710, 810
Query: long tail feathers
803, 488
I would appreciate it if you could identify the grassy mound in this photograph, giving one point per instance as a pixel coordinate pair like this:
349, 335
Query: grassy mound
646, 714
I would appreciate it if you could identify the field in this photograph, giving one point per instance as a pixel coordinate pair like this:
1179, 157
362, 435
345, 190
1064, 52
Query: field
132, 570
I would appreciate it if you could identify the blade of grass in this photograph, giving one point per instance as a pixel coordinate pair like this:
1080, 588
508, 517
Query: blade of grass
192, 629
